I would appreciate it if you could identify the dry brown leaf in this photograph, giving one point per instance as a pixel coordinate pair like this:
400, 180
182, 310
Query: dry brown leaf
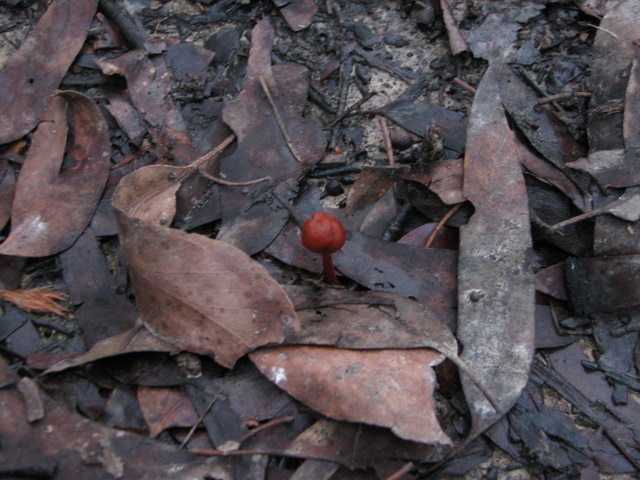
200, 294
51, 208
371, 185
138, 339
275, 141
36, 69
164, 408
389, 388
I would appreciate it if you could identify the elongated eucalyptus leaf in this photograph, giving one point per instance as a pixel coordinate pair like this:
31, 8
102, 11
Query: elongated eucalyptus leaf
496, 285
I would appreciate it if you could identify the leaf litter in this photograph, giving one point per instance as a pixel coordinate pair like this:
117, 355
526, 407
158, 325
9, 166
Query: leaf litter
366, 376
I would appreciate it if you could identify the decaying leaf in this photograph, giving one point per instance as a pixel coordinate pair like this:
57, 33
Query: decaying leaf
85, 449
138, 339
603, 284
52, 207
149, 87
275, 141
164, 408
200, 294
389, 388
613, 158
36, 69
356, 445
496, 285
367, 320
371, 185
7, 190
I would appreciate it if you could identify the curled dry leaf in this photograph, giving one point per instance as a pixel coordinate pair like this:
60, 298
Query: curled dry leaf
200, 294
53, 206
389, 388
36, 69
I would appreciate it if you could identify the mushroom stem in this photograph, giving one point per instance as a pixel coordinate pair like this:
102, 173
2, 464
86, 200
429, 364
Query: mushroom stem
328, 271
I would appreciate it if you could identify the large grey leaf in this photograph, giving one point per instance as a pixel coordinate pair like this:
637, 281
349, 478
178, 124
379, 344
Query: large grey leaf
496, 285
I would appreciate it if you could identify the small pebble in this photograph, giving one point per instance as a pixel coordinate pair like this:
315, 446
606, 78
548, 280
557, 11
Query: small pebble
395, 40
333, 187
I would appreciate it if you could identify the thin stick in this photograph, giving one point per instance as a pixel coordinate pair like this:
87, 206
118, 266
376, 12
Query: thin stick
387, 141
440, 224
353, 107
131, 157
233, 184
620, 448
269, 424
591, 214
195, 425
405, 469
563, 96
279, 121
465, 85
213, 153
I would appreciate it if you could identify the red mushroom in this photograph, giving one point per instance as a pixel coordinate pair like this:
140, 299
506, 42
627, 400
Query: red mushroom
323, 233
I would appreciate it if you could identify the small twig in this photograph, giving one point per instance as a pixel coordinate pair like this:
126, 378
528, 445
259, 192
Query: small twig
440, 224
563, 96
278, 117
271, 423
131, 157
465, 85
213, 153
407, 467
387, 141
233, 184
621, 448
591, 214
200, 419
352, 108
603, 30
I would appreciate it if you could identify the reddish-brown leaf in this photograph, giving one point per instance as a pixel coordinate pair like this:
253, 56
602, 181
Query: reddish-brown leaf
200, 294
371, 185
37, 68
389, 388
164, 408
52, 207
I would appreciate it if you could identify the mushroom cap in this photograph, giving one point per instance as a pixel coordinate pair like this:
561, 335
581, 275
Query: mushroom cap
323, 233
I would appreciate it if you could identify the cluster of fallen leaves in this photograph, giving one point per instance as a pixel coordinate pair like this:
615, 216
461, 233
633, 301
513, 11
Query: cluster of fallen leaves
362, 360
